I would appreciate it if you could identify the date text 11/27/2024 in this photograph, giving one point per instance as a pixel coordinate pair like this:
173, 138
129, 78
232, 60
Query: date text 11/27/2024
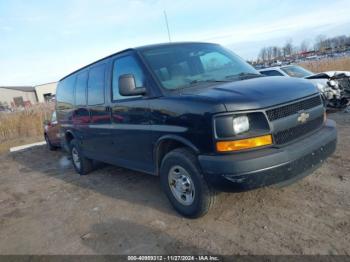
174, 258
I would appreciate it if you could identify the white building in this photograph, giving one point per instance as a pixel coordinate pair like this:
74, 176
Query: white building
17, 96
45, 92
22, 96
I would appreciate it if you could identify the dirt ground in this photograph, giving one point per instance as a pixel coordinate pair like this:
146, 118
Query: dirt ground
46, 208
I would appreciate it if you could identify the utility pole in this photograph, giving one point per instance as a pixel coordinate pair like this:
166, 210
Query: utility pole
167, 25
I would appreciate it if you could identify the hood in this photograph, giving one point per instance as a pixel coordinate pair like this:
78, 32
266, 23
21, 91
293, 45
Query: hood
320, 82
256, 93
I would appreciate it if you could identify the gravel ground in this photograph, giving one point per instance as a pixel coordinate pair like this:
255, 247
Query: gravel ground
45, 208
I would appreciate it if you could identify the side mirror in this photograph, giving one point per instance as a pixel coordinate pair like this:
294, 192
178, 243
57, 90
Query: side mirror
127, 86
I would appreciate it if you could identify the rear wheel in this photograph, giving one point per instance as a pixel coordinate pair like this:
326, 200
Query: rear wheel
48, 144
81, 164
184, 184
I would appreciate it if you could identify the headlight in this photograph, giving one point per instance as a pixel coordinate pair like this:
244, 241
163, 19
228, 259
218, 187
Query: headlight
240, 124
332, 83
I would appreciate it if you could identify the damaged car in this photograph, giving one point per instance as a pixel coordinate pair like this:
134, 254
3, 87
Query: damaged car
333, 85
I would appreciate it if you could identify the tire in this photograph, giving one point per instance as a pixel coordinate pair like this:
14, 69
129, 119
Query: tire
81, 164
192, 201
49, 144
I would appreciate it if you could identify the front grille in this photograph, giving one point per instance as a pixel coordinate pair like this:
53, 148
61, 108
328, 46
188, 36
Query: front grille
287, 110
295, 132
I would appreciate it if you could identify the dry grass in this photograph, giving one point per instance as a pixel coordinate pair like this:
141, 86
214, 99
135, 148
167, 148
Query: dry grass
23, 126
340, 64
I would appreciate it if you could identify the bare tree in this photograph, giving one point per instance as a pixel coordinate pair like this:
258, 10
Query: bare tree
320, 43
263, 54
288, 48
276, 52
339, 42
269, 51
305, 46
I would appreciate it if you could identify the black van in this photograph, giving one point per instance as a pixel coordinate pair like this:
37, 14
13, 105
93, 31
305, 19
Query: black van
198, 116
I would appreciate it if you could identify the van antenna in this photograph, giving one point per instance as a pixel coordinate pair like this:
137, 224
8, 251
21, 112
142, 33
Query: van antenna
167, 25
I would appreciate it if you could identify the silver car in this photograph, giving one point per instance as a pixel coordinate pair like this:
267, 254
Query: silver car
333, 85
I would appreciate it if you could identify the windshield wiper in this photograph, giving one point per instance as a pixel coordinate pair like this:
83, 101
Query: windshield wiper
244, 75
196, 81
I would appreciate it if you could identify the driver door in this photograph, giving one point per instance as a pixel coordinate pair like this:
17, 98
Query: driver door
131, 126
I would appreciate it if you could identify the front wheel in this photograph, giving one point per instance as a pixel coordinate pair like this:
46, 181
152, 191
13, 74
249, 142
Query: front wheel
184, 184
81, 164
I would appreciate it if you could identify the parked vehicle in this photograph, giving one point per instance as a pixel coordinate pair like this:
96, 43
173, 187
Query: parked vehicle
51, 132
196, 115
333, 85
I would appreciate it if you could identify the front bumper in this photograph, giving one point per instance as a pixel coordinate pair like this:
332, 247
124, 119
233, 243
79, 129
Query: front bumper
249, 170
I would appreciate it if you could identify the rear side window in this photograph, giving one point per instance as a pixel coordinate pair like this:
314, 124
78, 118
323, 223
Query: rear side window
65, 93
96, 85
122, 66
271, 73
80, 89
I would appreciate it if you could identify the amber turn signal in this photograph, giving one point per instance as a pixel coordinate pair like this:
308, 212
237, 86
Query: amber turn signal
234, 145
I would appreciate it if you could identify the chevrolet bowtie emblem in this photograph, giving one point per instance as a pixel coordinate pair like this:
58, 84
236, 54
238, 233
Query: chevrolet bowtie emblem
303, 117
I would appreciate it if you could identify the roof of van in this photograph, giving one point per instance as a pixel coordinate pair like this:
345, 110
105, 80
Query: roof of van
139, 48
167, 44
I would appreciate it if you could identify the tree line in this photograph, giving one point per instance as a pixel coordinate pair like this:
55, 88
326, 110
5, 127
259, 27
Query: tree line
321, 44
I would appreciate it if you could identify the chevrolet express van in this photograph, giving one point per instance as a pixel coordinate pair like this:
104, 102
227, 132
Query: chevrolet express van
196, 115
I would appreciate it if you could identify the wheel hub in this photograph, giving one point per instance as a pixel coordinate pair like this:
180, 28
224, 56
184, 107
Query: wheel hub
75, 157
181, 185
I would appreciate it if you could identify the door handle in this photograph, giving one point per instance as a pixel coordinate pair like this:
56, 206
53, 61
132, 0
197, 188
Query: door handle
109, 111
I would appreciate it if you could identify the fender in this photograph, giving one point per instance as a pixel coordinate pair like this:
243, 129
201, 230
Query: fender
176, 138
64, 143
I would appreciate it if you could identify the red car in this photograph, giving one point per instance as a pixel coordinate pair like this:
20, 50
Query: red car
51, 132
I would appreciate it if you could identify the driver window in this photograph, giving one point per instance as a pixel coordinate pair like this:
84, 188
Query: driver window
122, 66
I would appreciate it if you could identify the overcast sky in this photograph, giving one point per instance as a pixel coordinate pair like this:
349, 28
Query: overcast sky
41, 41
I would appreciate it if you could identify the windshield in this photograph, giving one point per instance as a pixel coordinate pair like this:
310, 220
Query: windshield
185, 65
296, 71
